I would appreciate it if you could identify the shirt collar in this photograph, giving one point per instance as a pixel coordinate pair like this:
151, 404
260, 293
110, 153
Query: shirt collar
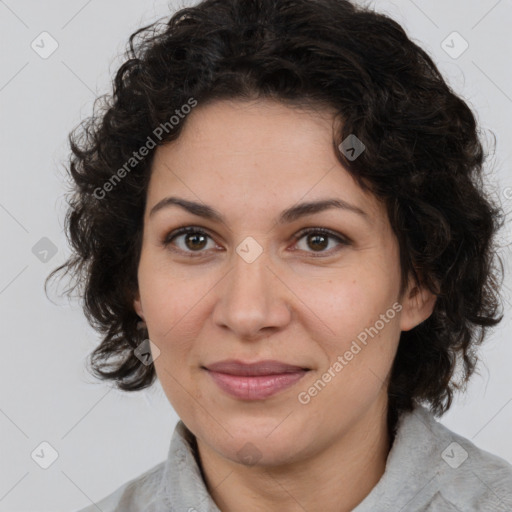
185, 488
409, 479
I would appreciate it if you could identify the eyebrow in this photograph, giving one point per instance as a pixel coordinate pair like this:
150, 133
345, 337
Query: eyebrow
289, 215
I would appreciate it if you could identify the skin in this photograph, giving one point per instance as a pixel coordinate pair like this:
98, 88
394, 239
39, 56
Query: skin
300, 302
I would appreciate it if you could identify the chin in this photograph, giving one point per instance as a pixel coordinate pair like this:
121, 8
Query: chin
262, 442
262, 452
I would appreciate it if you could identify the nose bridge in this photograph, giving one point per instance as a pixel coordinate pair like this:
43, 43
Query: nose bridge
252, 298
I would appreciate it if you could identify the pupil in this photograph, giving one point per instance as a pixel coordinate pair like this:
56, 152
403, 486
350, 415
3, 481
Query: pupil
195, 236
324, 238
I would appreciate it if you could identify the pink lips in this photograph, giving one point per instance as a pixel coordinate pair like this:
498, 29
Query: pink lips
254, 381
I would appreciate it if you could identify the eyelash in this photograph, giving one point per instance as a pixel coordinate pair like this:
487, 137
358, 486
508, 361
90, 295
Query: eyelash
192, 229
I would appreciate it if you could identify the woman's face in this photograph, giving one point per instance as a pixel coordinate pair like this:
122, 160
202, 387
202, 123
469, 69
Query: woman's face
253, 287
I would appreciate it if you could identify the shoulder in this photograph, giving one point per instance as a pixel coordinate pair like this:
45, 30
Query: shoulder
174, 484
468, 477
143, 492
482, 480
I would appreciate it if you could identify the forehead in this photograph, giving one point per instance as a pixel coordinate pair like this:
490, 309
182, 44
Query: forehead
261, 155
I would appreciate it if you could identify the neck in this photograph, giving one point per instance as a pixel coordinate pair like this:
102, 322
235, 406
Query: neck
336, 479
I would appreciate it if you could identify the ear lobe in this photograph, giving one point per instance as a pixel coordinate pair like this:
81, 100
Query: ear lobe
137, 305
417, 307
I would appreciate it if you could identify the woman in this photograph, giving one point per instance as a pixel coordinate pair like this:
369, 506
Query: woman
281, 216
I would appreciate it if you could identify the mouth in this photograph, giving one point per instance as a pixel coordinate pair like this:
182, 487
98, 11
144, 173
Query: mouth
254, 381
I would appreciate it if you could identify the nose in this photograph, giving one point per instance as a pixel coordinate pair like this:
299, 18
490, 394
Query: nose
253, 299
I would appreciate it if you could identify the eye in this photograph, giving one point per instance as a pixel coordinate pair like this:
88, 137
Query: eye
194, 240
318, 238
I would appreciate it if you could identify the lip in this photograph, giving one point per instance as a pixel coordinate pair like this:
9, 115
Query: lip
263, 367
254, 381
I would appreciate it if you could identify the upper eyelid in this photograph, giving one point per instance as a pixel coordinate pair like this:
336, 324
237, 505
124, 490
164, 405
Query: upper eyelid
183, 230
174, 233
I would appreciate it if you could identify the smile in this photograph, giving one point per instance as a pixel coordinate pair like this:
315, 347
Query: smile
255, 387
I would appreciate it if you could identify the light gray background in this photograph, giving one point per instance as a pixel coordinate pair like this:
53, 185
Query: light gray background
104, 437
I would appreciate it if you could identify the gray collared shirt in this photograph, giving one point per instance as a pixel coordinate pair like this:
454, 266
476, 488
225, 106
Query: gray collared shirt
429, 469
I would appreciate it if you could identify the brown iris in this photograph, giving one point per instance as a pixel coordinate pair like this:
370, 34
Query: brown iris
321, 245
195, 237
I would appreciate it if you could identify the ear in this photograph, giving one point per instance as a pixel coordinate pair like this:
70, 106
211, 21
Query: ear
137, 305
417, 305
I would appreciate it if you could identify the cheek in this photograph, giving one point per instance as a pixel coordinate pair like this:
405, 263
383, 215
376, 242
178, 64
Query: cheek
175, 315
344, 305
359, 354
169, 298
357, 319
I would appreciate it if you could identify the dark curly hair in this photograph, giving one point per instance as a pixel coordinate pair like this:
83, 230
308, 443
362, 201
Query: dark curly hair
423, 158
